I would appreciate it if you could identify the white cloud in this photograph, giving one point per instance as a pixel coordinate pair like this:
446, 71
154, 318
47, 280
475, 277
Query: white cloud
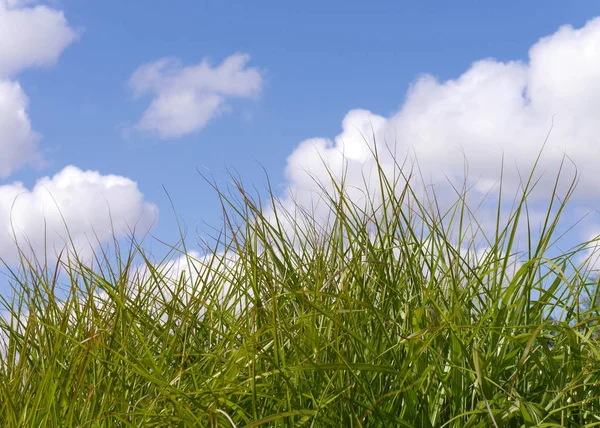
589, 258
31, 37
92, 206
213, 270
188, 279
187, 98
493, 108
18, 142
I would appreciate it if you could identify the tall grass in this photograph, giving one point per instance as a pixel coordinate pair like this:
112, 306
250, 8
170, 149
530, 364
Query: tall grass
384, 316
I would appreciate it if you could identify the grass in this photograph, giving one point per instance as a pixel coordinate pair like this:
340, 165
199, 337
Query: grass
382, 316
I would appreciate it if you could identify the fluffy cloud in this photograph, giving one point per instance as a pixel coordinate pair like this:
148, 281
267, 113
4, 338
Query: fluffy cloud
93, 206
187, 98
29, 37
33, 36
494, 108
18, 142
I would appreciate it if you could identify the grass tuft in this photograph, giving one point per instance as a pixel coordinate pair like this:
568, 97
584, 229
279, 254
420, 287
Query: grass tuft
393, 312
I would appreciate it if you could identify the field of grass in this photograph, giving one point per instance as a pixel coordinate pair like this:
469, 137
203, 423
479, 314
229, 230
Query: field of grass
384, 316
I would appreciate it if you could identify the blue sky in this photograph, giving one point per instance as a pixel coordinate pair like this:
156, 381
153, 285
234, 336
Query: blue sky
308, 65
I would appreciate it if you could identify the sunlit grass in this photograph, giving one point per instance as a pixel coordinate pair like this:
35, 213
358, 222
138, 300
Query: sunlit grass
382, 317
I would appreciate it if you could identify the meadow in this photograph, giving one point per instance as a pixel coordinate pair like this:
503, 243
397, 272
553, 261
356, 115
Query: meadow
386, 315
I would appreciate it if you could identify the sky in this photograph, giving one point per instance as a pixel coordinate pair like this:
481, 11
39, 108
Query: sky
125, 104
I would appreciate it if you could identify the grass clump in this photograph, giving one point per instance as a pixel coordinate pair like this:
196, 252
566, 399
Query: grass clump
385, 315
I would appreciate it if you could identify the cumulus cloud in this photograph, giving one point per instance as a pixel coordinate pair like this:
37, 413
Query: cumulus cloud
185, 99
93, 207
589, 258
214, 270
493, 109
18, 142
29, 36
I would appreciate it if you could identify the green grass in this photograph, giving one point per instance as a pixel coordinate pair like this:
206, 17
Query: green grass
376, 319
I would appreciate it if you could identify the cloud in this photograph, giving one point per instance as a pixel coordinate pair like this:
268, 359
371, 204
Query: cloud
187, 98
210, 275
494, 108
31, 37
92, 205
589, 257
18, 142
